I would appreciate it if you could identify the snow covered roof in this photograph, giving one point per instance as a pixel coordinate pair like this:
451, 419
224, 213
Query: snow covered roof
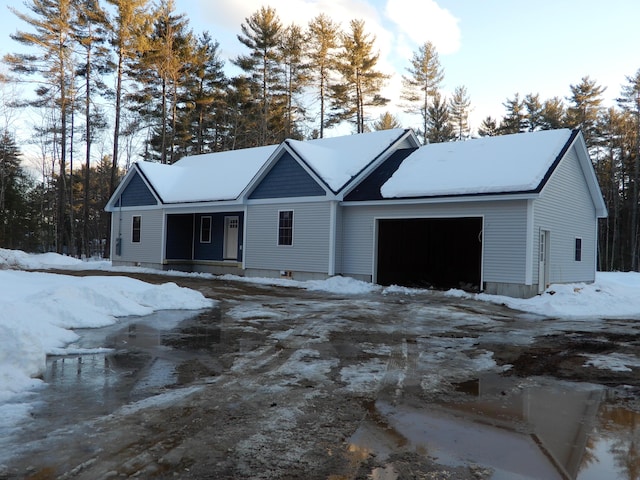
208, 177
336, 160
508, 163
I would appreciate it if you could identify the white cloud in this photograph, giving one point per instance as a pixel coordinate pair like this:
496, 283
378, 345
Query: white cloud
425, 20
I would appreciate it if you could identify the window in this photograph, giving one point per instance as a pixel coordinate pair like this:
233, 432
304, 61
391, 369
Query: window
205, 229
285, 227
136, 228
578, 256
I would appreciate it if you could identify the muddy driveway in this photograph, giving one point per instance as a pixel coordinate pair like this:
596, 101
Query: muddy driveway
283, 383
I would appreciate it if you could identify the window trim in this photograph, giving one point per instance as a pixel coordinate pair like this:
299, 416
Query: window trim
577, 252
136, 230
282, 228
202, 220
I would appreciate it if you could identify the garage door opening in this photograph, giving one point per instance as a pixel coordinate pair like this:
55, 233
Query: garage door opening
430, 252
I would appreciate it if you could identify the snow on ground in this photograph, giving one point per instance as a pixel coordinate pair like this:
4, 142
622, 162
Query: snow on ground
40, 310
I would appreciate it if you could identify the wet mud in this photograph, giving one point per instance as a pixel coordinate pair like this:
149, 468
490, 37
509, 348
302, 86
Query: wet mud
281, 383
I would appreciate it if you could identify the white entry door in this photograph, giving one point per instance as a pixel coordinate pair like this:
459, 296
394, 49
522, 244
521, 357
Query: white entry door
543, 261
231, 228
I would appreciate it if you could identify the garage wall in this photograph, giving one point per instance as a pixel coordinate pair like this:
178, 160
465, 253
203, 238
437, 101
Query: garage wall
565, 208
148, 251
505, 223
310, 249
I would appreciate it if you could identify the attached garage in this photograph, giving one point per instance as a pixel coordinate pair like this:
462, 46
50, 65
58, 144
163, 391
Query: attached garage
430, 252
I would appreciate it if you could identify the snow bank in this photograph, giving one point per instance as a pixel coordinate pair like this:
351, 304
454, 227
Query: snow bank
40, 309
612, 295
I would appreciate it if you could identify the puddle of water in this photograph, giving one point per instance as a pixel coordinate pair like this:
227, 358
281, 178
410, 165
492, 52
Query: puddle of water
538, 429
78, 387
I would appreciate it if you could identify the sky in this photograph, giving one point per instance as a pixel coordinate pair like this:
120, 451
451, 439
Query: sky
495, 48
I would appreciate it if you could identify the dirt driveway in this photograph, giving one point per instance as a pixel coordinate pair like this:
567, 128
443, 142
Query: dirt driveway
283, 383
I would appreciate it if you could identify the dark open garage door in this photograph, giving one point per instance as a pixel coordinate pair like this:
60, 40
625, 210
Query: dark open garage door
430, 252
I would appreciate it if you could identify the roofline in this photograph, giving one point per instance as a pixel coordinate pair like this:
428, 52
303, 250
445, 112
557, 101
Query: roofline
308, 168
559, 157
371, 166
590, 176
462, 197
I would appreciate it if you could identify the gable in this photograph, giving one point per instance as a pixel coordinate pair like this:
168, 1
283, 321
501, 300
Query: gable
369, 188
136, 194
286, 179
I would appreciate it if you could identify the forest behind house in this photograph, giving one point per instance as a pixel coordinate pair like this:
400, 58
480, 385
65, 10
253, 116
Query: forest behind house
111, 82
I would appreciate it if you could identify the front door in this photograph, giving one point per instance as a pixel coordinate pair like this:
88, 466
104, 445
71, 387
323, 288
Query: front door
231, 228
543, 261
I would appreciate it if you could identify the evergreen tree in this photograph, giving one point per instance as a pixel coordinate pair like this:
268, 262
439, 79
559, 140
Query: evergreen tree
630, 102
459, 105
422, 83
515, 119
91, 35
439, 127
262, 34
553, 114
323, 41
584, 108
386, 121
164, 70
206, 94
129, 31
361, 82
52, 64
296, 77
533, 108
11, 190
488, 127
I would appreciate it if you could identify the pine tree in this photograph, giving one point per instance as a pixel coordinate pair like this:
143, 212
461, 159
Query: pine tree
163, 69
630, 102
488, 127
206, 92
459, 106
533, 108
323, 36
584, 108
439, 127
515, 119
261, 34
52, 65
296, 78
423, 82
553, 114
361, 82
386, 121
91, 35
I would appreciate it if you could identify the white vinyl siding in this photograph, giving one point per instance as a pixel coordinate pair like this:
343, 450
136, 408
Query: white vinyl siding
567, 186
504, 235
310, 249
149, 249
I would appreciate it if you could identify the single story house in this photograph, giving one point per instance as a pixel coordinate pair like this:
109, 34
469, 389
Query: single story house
506, 215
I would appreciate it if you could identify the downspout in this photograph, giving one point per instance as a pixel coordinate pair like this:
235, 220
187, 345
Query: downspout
119, 239
333, 207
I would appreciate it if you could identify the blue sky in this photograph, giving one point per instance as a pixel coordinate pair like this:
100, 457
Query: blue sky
493, 47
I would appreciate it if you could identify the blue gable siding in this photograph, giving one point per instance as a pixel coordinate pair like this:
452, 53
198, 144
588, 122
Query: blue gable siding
287, 179
136, 194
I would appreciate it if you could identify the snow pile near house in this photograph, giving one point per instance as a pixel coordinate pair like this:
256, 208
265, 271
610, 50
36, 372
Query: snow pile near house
40, 309
612, 295
481, 165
